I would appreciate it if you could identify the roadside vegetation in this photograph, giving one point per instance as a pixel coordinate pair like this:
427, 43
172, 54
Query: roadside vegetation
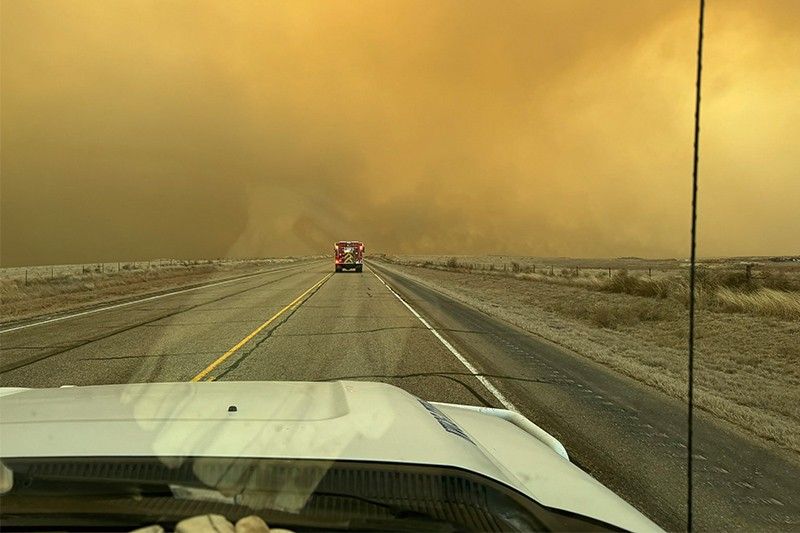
633, 319
720, 287
35, 291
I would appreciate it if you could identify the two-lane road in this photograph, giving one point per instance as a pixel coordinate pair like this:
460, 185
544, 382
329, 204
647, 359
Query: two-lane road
302, 323
288, 324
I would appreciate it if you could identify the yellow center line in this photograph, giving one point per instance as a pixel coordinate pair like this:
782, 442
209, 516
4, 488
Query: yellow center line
221, 359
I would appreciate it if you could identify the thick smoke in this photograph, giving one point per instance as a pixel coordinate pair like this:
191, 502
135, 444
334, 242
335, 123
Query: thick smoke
139, 129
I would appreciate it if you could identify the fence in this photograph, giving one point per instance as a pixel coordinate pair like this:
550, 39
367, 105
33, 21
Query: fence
602, 268
53, 272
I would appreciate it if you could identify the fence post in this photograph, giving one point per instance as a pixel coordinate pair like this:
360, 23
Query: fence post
26, 276
650, 272
534, 269
551, 270
609, 272
52, 272
748, 268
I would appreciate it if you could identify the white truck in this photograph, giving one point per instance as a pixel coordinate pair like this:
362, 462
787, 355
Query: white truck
299, 455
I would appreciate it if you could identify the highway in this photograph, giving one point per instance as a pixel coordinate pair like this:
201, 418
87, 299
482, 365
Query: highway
305, 323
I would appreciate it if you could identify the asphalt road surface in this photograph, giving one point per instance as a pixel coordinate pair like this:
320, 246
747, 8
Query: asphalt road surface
305, 323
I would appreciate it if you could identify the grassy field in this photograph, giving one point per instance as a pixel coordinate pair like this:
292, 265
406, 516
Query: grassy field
33, 291
632, 316
743, 285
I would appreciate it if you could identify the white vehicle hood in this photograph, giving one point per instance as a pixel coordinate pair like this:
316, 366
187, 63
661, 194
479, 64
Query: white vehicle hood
299, 420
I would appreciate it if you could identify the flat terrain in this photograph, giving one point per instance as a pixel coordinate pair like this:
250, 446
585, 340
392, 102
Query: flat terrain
351, 326
35, 291
632, 316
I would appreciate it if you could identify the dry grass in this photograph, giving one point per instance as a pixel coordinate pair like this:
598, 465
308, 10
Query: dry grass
747, 363
721, 287
72, 287
768, 302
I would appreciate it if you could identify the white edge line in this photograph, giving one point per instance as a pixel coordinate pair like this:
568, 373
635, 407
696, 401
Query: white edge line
156, 297
485, 382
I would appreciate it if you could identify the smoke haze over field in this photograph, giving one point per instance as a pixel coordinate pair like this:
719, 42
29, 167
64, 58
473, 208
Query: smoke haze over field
138, 129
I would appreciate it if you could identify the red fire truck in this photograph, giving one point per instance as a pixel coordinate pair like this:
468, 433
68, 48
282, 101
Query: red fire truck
348, 254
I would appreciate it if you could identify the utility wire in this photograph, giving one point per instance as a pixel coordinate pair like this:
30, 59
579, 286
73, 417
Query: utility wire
692, 271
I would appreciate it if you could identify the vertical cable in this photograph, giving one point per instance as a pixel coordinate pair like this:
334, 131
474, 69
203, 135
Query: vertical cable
692, 271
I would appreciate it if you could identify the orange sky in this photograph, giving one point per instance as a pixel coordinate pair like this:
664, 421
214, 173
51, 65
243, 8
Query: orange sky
135, 129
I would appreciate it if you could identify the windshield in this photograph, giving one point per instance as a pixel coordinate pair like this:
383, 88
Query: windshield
442, 235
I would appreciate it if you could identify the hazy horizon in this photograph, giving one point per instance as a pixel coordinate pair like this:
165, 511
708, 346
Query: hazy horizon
142, 129
700, 259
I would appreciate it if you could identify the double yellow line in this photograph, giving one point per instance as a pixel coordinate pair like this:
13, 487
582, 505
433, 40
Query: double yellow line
221, 359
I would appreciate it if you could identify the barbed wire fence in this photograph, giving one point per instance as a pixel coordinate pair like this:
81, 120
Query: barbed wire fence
42, 273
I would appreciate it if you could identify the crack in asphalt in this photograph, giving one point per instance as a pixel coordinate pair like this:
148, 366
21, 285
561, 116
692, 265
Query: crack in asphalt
189, 324
452, 376
46, 355
269, 333
144, 356
355, 331
375, 330
132, 299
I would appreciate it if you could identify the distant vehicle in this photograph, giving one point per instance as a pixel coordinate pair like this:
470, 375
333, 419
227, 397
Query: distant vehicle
343, 456
348, 255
